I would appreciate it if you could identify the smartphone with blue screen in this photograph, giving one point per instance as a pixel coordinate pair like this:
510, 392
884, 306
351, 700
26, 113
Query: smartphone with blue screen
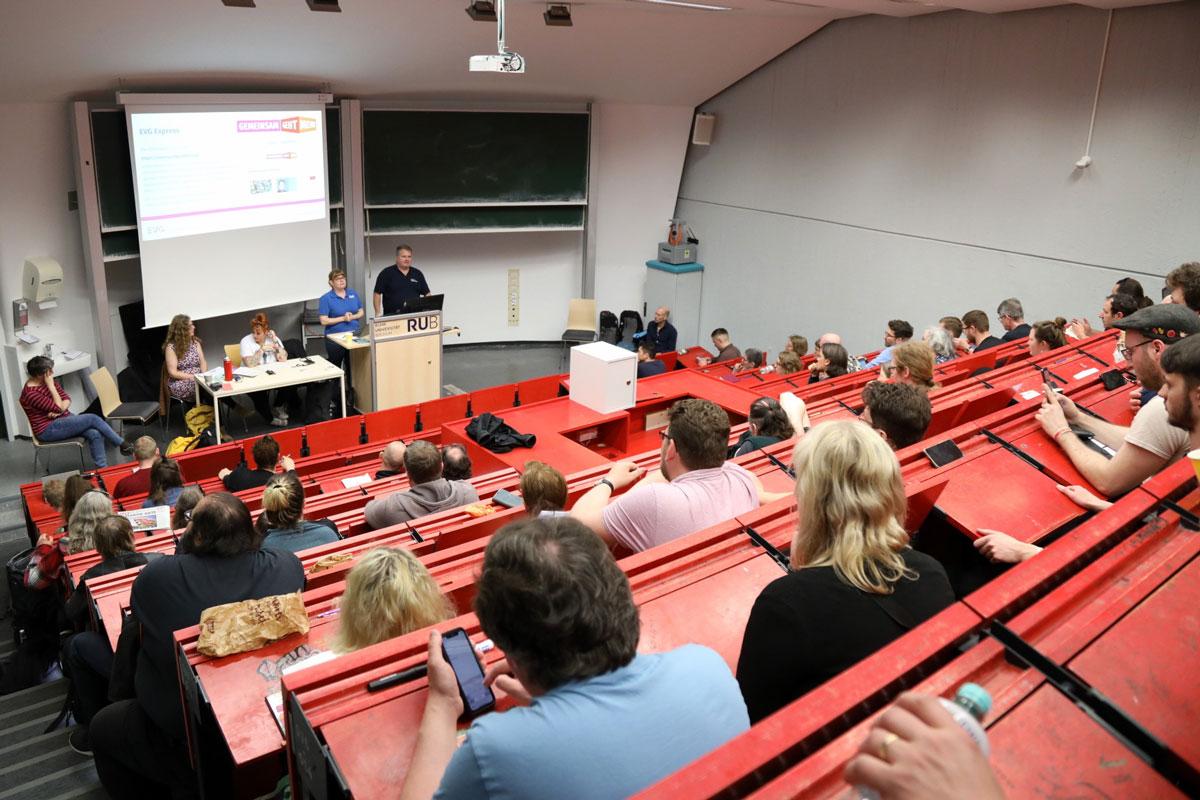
477, 697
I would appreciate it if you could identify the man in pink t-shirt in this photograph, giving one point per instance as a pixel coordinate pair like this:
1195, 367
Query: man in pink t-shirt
696, 487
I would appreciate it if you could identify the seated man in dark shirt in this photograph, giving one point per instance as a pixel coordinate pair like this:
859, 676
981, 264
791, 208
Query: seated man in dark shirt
724, 347
660, 333
1012, 319
145, 452
900, 412
975, 328
140, 745
266, 455
647, 364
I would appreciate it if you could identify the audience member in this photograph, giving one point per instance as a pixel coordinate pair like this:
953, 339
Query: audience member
456, 463
767, 425
856, 584
605, 720
952, 326
75, 487
916, 751
282, 524
262, 347
912, 362
1184, 283
852, 364
1133, 288
389, 593
145, 452
543, 489
53, 493
140, 745
701, 487
266, 455
787, 363
1047, 335
647, 364
1012, 319
428, 492
975, 328
1181, 387
1116, 306
796, 344
181, 515
832, 361
183, 360
898, 332
941, 342
48, 556
900, 412
724, 347
166, 482
87, 656
48, 407
391, 458
660, 334
1150, 443
752, 359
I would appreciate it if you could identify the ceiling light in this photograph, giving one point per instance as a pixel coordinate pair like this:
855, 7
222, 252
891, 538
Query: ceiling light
558, 14
482, 10
685, 4
238, 3
323, 5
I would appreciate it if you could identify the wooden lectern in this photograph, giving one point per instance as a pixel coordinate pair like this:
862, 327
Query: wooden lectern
406, 359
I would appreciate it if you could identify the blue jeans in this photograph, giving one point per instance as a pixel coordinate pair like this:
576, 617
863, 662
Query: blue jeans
90, 427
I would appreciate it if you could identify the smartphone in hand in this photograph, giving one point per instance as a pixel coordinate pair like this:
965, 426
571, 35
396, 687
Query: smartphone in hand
477, 696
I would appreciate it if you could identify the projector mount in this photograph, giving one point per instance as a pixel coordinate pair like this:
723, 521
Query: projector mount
504, 60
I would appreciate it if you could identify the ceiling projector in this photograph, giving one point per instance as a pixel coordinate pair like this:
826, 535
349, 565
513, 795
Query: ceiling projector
498, 62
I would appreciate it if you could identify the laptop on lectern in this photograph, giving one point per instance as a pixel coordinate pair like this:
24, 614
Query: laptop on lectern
431, 302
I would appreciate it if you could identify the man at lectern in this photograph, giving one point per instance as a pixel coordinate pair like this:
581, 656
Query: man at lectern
398, 283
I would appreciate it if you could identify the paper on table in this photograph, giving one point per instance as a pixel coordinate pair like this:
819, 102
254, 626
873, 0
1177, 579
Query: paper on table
245, 372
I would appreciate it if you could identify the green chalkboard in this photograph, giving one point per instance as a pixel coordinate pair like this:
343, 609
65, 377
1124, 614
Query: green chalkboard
464, 157
382, 221
114, 174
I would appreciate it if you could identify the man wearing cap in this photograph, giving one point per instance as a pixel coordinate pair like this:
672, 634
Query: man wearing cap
1150, 443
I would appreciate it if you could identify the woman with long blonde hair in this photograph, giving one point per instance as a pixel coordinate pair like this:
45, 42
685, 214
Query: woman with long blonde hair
388, 593
912, 362
183, 358
855, 584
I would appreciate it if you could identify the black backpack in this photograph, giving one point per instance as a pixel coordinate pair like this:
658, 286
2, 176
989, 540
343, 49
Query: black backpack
36, 620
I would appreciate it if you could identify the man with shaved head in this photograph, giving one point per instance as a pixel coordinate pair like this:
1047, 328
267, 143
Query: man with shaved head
392, 460
661, 333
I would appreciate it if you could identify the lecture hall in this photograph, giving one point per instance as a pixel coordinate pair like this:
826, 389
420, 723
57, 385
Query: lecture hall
617, 398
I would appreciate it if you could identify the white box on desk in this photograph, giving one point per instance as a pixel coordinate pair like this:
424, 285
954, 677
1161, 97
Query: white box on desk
603, 377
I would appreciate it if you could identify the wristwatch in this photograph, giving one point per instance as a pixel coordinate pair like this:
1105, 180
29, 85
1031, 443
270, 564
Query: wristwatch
607, 483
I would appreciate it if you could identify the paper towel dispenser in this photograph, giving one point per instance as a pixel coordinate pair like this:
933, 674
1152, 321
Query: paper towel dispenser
42, 281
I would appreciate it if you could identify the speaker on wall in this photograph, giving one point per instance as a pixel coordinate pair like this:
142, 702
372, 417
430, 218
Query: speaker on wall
702, 130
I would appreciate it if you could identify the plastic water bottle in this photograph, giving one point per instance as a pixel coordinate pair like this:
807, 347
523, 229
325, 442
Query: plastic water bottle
970, 705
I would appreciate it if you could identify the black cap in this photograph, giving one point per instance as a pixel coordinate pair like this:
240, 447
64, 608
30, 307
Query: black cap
1167, 322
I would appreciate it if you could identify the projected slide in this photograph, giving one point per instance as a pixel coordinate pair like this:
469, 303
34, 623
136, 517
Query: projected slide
203, 172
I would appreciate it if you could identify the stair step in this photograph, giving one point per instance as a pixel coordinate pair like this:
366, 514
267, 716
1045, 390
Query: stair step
12, 713
80, 775
34, 694
55, 757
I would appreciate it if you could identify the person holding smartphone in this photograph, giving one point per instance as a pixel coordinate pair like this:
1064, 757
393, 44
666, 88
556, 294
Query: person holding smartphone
572, 668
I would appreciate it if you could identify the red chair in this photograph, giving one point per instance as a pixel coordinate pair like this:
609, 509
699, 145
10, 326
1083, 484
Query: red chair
538, 389
445, 409
497, 398
391, 424
336, 434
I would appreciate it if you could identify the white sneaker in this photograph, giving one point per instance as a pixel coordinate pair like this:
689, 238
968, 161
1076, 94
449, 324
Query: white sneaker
281, 412
279, 422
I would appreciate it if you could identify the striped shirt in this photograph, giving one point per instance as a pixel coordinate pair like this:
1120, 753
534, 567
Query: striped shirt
38, 405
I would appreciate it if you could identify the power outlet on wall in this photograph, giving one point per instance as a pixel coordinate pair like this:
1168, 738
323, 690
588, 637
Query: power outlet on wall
514, 298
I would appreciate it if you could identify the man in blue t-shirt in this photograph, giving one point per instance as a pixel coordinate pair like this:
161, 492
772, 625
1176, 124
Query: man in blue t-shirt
340, 309
594, 718
397, 283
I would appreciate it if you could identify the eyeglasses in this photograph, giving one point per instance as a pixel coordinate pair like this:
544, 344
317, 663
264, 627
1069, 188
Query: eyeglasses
1127, 351
664, 434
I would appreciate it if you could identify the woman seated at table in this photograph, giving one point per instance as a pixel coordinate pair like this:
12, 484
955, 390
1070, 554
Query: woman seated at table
48, 556
388, 593
543, 490
47, 405
856, 584
262, 347
166, 483
912, 362
832, 362
183, 359
767, 424
282, 523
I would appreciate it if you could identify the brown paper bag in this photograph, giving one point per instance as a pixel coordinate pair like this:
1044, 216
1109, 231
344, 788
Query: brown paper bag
250, 624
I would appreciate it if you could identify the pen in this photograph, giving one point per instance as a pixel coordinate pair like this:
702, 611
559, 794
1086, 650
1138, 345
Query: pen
397, 678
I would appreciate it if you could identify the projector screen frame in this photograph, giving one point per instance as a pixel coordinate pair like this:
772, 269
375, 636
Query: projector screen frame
134, 102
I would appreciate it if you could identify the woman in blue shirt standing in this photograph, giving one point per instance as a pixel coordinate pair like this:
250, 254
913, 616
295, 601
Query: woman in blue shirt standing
339, 308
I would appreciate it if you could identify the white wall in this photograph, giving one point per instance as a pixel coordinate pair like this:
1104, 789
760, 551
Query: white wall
918, 167
640, 150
